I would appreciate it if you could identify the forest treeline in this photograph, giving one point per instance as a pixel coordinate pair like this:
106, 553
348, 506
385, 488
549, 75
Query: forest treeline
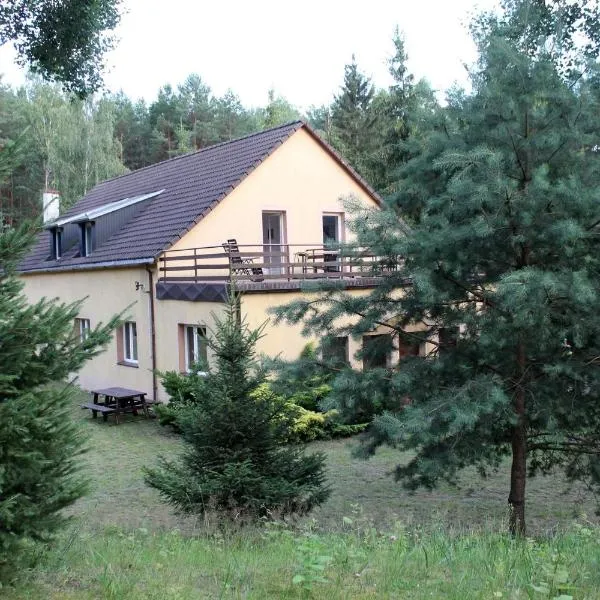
63, 143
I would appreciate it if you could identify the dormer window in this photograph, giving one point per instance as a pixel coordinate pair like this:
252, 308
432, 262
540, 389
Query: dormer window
87, 238
56, 243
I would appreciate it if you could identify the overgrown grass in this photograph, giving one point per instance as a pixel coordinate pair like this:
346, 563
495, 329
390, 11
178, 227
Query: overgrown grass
271, 563
371, 539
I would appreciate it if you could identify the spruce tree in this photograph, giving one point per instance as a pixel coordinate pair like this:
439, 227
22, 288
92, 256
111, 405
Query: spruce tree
237, 460
499, 270
39, 443
353, 119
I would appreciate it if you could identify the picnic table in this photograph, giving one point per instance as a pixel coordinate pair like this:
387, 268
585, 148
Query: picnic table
117, 401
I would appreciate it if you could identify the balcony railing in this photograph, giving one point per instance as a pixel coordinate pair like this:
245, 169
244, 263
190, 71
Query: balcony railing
255, 263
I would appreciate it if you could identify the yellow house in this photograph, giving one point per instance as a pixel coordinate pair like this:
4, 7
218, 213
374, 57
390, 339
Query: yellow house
166, 241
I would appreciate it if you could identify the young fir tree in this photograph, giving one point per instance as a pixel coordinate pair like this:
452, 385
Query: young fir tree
500, 269
39, 443
237, 460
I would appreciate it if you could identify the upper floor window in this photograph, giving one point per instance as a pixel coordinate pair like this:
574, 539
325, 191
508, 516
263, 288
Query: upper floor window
56, 243
196, 346
82, 327
130, 349
332, 236
87, 238
332, 228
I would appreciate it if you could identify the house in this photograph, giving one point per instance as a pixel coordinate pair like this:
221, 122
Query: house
166, 241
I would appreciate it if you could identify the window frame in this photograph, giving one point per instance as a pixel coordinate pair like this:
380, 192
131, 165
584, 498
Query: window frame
198, 352
56, 246
339, 216
130, 345
83, 328
87, 238
365, 360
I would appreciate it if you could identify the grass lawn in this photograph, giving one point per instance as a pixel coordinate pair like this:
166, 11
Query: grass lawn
371, 539
120, 497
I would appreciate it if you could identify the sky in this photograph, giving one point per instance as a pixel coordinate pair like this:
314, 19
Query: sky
298, 49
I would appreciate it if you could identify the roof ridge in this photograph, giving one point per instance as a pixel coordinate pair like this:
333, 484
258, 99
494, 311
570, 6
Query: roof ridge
298, 122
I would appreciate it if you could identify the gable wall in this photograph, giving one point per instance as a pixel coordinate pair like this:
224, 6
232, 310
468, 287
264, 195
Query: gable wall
300, 178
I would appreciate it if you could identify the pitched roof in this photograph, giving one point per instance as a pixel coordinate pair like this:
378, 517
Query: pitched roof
191, 185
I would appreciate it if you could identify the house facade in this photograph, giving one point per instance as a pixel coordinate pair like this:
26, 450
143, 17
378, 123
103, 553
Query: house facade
163, 244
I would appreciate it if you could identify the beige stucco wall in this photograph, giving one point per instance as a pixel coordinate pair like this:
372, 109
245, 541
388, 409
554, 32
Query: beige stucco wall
287, 341
300, 178
106, 293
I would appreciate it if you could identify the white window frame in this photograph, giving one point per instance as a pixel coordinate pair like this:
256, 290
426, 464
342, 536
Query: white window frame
130, 346
196, 349
57, 243
87, 239
83, 328
341, 227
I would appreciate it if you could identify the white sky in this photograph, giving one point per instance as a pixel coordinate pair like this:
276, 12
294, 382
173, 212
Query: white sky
299, 49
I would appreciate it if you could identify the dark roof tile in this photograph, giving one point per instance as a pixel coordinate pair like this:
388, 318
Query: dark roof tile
193, 184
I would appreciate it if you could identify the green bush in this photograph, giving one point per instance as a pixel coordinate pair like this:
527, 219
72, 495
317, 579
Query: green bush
303, 382
184, 390
187, 389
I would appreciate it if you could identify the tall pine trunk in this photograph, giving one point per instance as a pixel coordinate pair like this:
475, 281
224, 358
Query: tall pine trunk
518, 472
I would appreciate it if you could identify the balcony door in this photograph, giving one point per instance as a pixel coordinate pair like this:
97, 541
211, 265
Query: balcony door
273, 224
332, 236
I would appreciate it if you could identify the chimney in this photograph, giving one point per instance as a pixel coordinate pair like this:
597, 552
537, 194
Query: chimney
51, 205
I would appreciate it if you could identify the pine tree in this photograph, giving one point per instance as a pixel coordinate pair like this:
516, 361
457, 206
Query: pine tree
499, 271
39, 443
237, 460
353, 119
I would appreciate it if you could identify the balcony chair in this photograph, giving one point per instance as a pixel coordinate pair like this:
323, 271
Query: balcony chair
237, 264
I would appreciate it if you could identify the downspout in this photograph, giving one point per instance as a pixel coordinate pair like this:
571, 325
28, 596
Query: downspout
152, 334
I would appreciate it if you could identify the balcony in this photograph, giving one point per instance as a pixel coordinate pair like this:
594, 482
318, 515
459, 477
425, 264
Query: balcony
254, 267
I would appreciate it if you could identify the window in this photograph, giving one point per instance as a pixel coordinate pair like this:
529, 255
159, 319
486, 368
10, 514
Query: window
332, 228
447, 337
408, 347
130, 350
56, 243
82, 328
195, 346
376, 351
335, 351
332, 236
87, 238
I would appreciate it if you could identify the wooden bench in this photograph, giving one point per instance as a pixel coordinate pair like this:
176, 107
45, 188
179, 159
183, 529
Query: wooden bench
99, 408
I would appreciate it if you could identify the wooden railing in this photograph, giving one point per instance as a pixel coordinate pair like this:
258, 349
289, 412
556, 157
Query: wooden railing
252, 262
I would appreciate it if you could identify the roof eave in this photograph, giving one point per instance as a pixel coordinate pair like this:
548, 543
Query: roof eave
112, 264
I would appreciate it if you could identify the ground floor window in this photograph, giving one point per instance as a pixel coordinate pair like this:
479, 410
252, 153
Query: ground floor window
130, 349
82, 328
195, 346
376, 351
335, 350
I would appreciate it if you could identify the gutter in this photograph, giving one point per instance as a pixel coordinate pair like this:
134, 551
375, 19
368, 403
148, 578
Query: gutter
152, 335
112, 264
